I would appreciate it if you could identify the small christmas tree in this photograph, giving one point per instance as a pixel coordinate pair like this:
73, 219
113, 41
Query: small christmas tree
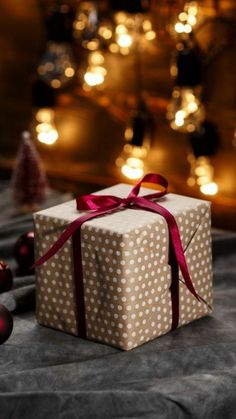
28, 177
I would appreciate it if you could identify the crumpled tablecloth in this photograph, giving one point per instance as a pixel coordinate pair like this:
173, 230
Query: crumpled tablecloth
188, 373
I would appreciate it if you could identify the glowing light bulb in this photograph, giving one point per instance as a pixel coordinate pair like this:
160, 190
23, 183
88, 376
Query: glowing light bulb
114, 48
150, 35
128, 29
210, 188
93, 79
179, 118
91, 45
191, 8
121, 29
95, 73
57, 65
95, 76
120, 17
186, 20
69, 72
128, 133
124, 40
45, 126
185, 112
187, 28
201, 174
105, 32
133, 168
138, 136
191, 19
183, 17
147, 25
96, 58
179, 27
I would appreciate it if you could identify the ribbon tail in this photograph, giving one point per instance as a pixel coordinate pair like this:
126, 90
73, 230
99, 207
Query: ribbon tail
56, 246
69, 231
179, 253
176, 241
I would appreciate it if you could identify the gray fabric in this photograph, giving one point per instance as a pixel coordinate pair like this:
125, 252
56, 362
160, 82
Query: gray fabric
188, 373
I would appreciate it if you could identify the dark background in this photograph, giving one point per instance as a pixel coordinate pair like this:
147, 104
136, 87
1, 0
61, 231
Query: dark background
91, 125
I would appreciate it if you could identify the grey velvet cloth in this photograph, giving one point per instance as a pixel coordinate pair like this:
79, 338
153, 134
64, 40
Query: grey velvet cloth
188, 373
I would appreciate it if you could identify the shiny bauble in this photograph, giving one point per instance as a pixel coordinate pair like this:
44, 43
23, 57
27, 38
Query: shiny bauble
24, 251
6, 278
6, 324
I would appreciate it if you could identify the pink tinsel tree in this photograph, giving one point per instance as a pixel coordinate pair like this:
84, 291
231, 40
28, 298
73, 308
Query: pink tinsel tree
28, 177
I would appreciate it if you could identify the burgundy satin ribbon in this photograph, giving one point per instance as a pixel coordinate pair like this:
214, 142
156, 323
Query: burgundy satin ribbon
99, 205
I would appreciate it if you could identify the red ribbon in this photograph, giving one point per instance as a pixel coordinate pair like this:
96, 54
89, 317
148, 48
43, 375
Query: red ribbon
104, 204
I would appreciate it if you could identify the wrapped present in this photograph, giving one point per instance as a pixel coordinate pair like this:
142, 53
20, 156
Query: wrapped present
130, 266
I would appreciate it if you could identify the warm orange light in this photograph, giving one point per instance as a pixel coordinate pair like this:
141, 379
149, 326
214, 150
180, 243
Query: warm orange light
114, 48
55, 83
150, 35
185, 110
147, 25
95, 76
133, 168
105, 32
69, 72
96, 58
92, 45
210, 188
124, 40
45, 128
201, 174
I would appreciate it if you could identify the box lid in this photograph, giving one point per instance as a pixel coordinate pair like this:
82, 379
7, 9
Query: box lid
129, 225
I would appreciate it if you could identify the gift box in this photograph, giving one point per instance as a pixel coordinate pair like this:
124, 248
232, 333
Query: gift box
126, 295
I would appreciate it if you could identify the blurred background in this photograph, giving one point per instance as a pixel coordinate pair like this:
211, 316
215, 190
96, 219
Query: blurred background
112, 89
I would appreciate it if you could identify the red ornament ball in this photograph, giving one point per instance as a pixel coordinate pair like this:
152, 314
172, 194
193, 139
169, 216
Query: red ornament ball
6, 324
24, 251
6, 280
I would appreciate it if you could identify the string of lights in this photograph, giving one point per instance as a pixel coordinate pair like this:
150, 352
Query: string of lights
127, 30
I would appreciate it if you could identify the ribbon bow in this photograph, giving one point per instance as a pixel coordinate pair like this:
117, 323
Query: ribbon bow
99, 205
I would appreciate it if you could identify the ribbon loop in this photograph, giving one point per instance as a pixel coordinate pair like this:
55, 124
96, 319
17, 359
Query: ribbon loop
150, 178
96, 202
93, 202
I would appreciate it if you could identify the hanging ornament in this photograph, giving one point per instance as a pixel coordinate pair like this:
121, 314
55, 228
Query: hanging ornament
186, 111
57, 66
28, 177
138, 136
43, 98
24, 251
204, 143
6, 278
6, 324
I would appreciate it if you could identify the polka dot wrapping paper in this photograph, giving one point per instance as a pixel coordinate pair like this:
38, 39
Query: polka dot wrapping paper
126, 275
